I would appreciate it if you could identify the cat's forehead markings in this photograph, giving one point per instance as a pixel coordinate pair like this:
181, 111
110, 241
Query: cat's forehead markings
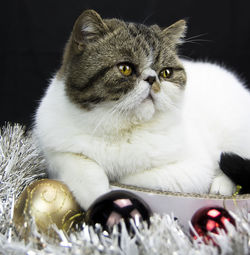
151, 57
148, 61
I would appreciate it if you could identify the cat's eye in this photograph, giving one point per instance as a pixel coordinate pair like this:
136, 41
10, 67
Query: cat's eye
125, 69
166, 73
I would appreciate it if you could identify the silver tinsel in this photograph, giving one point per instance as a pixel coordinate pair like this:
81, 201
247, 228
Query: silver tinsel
21, 163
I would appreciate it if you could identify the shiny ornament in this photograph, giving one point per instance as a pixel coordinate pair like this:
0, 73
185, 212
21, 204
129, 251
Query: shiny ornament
116, 205
210, 219
48, 202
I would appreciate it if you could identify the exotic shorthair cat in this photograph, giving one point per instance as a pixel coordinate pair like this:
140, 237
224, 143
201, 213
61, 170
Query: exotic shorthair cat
123, 107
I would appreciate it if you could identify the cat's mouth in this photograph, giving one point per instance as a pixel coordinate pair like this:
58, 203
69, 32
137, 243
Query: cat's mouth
149, 97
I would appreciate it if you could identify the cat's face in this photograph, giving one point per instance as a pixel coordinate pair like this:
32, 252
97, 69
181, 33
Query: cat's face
132, 68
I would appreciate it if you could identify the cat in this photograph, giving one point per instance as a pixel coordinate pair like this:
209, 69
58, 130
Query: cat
124, 107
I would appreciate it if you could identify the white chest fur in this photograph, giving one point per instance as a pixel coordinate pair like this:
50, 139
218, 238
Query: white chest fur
67, 129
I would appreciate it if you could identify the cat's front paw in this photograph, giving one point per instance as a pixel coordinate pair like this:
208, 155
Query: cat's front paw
222, 185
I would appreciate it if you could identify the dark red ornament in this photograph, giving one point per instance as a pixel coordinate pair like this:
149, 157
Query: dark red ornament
110, 208
210, 219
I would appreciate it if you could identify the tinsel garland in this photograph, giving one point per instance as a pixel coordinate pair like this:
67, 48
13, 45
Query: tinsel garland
21, 163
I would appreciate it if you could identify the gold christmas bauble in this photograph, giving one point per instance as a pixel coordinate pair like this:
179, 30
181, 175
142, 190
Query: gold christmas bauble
48, 202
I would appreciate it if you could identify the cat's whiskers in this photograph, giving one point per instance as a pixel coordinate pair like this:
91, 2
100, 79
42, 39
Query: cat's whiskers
105, 117
169, 104
113, 113
116, 111
196, 39
185, 57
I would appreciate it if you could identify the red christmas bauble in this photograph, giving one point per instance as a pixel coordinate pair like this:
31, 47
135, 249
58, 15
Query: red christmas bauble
210, 219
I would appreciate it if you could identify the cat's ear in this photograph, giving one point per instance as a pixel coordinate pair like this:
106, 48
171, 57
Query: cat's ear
89, 26
176, 32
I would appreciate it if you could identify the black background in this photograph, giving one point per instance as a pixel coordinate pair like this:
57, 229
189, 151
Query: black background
33, 34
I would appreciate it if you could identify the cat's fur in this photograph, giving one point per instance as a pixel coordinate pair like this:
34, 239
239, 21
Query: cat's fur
95, 125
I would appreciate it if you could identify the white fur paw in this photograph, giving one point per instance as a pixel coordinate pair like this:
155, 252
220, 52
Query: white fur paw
222, 185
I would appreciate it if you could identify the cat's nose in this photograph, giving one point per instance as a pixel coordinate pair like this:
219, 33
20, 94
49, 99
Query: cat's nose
150, 79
